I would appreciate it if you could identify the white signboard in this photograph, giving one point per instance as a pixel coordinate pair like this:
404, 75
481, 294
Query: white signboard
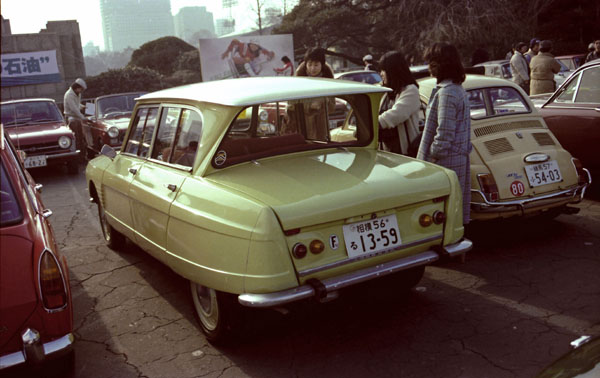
231, 57
33, 67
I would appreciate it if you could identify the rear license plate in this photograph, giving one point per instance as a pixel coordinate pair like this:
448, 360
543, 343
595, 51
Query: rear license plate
35, 161
543, 173
372, 236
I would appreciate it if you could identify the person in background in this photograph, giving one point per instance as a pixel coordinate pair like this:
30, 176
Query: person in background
543, 66
447, 136
287, 69
519, 67
534, 48
510, 54
595, 54
315, 110
368, 61
399, 109
74, 116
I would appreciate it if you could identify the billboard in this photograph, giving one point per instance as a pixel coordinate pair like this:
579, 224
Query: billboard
231, 57
35, 67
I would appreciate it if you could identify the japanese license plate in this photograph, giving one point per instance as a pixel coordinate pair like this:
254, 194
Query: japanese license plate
372, 236
35, 161
543, 173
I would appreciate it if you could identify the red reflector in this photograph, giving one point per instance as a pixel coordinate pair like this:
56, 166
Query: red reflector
299, 250
52, 286
291, 232
439, 217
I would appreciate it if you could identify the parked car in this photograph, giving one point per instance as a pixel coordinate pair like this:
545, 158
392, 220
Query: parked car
361, 76
36, 315
573, 114
518, 167
572, 62
37, 127
582, 361
265, 220
501, 68
108, 119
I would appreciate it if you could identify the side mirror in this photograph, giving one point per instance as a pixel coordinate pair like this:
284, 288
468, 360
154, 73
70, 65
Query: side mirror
108, 151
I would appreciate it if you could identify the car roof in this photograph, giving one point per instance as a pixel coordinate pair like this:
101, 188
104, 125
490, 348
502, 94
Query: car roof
235, 92
26, 100
499, 61
471, 82
121, 94
569, 56
336, 75
588, 64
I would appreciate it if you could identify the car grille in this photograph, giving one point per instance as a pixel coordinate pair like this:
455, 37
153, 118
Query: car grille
498, 146
43, 148
501, 127
543, 139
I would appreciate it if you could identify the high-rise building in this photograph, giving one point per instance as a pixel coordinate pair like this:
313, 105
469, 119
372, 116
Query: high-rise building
193, 21
131, 23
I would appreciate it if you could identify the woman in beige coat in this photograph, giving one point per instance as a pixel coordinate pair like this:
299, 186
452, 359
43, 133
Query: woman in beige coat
543, 66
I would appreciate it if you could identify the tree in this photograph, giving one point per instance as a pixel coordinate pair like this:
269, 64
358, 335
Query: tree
128, 79
161, 54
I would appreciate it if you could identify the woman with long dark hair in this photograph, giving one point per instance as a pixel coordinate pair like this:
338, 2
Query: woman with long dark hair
399, 109
447, 135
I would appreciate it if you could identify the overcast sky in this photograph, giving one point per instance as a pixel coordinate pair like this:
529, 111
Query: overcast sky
30, 16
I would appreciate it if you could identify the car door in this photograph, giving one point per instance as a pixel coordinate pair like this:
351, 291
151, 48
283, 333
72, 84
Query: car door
574, 116
157, 183
119, 174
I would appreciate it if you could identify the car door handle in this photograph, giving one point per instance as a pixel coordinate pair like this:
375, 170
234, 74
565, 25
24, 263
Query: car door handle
171, 187
38, 187
46, 213
597, 109
133, 171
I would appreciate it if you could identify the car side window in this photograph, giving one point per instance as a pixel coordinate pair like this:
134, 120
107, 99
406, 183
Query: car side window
188, 136
589, 88
163, 143
569, 92
135, 135
148, 131
9, 205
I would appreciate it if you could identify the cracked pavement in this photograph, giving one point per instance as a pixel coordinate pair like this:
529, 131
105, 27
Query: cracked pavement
527, 289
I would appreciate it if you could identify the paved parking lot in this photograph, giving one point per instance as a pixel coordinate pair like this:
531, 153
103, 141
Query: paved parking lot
526, 290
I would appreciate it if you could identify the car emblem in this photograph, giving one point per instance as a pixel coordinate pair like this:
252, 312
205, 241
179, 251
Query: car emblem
220, 158
334, 241
519, 135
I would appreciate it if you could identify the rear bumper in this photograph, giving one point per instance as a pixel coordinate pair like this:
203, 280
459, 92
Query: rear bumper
34, 352
335, 283
522, 206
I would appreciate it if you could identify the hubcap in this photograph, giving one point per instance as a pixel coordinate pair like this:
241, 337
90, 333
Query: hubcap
205, 300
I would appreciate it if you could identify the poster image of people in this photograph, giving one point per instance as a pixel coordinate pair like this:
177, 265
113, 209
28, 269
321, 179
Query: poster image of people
243, 56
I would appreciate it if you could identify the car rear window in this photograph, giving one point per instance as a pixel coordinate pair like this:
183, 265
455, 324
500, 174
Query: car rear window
9, 205
496, 101
30, 112
283, 127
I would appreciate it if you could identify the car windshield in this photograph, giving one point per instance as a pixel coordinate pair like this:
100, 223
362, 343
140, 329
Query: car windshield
10, 209
283, 127
116, 106
497, 101
29, 113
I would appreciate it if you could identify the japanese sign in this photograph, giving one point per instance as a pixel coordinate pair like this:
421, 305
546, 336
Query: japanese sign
35, 67
244, 56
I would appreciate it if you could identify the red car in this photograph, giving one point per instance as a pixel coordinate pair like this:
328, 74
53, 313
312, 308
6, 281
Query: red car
37, 127
108, 119
36, 315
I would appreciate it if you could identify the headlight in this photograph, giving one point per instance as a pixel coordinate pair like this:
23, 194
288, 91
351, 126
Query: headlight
64, 142
263, 115
113, 132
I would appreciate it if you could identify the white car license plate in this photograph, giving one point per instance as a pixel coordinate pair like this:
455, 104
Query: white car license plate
35, 161
372, 236
543, 173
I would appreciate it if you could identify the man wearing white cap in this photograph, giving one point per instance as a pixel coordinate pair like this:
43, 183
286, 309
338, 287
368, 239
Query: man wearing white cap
73, 108
368, 61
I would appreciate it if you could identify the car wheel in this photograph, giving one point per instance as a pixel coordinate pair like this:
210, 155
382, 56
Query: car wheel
113, 238
73, 167
219, 314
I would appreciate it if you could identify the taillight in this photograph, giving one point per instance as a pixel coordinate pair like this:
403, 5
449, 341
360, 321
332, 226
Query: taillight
299, 250
52, 284
488, 186
425, 220
439, 217
316, 246
581, 174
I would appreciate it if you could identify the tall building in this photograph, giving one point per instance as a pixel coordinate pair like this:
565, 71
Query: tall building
191, 22
131, 23
225, 26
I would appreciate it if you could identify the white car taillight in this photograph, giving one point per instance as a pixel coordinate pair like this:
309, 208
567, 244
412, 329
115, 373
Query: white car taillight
52, 284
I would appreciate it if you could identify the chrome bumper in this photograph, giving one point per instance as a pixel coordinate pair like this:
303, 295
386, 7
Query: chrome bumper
574, 195
63, 155
35, 352
335, 283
